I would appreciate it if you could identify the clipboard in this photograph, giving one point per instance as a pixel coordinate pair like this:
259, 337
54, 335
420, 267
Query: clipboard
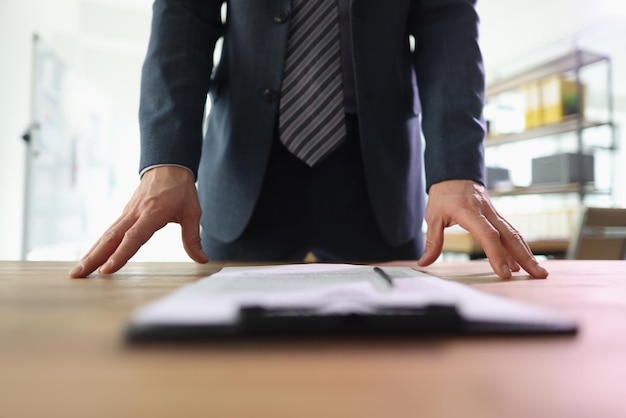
335, 301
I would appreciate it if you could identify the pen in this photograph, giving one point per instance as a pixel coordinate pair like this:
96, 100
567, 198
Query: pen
384, 275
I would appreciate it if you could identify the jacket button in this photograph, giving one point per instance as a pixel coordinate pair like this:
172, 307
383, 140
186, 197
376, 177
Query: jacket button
282, 17
270, 95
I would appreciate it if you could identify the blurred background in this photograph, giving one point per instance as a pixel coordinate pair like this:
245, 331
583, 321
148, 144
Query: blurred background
69, 92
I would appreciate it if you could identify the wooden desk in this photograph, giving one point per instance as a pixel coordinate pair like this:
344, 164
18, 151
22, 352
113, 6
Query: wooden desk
463, 242
61, 355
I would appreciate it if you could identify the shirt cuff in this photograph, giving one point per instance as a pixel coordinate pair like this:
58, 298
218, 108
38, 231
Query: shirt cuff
145, 170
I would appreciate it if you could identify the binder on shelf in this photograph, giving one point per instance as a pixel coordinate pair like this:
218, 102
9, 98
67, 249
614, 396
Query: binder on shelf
533, 104
560, 99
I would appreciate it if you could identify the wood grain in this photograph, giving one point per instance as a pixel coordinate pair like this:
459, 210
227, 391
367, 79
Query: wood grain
62, 354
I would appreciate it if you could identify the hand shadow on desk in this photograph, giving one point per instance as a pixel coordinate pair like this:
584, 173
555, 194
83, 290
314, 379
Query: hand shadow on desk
484, 277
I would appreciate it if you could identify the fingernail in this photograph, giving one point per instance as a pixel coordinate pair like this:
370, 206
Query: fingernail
543, 269
105, 267
506, 270
77, 270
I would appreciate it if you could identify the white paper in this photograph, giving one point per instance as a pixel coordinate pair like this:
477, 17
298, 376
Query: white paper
332, 288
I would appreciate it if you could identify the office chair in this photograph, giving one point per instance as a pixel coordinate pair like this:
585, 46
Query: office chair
601, 235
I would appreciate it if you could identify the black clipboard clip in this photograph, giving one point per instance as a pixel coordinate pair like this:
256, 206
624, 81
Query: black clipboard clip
397, 320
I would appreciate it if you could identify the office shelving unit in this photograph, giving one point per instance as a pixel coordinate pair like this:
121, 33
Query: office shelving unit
573, 126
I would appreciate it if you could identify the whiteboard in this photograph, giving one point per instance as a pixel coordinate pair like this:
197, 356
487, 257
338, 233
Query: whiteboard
66, 157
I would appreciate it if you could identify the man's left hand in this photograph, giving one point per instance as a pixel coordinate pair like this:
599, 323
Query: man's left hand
467, 203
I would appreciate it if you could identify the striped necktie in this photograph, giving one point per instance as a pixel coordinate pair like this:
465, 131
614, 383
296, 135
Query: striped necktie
312, 116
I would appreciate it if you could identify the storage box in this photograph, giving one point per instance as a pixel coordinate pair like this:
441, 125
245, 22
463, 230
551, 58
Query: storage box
563, 168
559, 99
496, 176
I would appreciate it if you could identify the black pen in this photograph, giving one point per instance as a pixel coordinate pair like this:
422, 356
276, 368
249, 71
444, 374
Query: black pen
384, 275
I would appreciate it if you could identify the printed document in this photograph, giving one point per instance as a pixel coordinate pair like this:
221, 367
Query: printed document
335, 289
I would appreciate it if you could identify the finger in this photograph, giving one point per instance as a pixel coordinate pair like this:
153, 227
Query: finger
133, 239
513, 264
512, 261
103, 248
191, 241
519, 250
113, 227
433, 245
489, 238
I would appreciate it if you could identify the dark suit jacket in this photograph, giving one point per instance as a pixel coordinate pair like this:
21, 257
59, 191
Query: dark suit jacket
244, 87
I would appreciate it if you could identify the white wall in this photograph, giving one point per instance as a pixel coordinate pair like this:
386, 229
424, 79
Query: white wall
513, 29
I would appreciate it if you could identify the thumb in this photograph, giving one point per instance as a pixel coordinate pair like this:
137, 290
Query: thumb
192, 243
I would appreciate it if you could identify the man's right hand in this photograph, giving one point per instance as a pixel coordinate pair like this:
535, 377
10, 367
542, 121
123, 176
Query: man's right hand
165, 194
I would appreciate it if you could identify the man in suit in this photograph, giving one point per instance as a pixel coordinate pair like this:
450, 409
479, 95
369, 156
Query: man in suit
363, 201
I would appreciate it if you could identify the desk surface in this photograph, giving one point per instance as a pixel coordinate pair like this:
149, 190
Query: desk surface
61, 355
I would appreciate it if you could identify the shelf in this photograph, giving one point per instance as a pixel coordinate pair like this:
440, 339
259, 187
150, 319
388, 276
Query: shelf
568, 62
569, 125
544, 189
